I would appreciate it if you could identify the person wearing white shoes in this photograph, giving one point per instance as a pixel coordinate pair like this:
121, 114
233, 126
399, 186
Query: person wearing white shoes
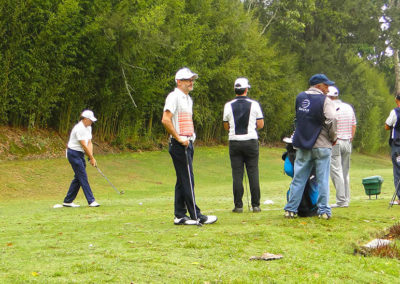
177, 120
79, 144
341, 151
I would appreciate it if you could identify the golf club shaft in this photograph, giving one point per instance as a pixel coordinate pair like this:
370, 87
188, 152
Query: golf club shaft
247, 190
107, 180
191, 185
394, 195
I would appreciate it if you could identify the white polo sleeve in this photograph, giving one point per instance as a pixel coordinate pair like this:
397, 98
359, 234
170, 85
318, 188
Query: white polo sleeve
259, 114
171, 103
227, 111
391, 120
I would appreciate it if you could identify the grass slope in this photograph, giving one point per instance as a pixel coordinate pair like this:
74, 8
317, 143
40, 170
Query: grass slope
131, 238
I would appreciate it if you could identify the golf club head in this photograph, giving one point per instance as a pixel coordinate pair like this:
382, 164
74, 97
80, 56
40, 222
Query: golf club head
199, 224
122, 192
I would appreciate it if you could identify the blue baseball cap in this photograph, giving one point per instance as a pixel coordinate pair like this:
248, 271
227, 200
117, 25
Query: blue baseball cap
320, 78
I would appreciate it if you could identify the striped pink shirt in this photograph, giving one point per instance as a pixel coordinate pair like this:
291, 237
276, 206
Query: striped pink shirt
345, 120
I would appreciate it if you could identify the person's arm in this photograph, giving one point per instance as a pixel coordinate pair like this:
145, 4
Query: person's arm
353, 132
260, 123
330, 119
89, 151
226, 125
167, 122
387, 127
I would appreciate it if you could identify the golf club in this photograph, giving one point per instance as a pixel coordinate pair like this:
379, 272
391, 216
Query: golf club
394, 195
247, 190
191, 188
119, 192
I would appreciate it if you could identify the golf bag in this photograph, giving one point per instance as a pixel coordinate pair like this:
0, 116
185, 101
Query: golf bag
308, 205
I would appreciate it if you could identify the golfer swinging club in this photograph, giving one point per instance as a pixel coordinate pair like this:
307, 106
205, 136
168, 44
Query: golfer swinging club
80, 143
177, 120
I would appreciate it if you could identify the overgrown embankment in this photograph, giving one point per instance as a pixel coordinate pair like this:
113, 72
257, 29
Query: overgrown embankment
20, 143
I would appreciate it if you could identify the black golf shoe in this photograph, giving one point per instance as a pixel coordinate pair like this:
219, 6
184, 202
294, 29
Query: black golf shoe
256, 209
237, 210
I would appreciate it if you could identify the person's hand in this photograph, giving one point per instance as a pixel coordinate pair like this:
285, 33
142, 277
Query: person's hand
184, 142
93, 162
334, 142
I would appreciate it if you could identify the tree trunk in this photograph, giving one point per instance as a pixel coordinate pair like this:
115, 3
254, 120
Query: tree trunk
397, 71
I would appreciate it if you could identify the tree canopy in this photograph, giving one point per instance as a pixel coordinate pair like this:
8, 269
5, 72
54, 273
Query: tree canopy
119, 58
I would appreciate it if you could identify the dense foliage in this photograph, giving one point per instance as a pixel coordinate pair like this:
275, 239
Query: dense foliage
119, 58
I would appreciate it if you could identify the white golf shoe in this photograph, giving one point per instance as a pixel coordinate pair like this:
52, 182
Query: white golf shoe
94, 204
70, 204
184, 221
208, 219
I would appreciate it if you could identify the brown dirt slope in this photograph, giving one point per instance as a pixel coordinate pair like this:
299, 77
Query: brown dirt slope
19, 143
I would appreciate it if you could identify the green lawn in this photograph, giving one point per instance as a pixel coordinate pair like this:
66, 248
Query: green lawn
131, 238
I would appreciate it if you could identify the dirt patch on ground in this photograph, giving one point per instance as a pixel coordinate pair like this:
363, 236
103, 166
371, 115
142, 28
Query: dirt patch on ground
20, 143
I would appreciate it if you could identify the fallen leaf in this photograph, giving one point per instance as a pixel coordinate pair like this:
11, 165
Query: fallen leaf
196, 263
9, 244
34, 273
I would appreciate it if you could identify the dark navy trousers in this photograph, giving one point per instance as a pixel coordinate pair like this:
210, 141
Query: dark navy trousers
78, 163
183, 192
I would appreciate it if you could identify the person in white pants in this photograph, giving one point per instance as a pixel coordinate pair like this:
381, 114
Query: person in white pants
341, 151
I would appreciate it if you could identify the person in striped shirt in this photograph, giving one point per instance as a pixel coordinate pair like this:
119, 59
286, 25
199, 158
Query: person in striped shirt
341, 151
177, 120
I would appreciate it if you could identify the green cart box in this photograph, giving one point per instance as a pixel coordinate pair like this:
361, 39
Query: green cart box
372, 185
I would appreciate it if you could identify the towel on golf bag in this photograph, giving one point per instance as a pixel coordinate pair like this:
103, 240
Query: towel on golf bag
308, 205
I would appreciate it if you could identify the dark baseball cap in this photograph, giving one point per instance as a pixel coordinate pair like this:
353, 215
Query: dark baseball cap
320, 78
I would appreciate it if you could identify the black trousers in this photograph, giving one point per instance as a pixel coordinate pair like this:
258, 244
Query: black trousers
245, 153
395, 153
183, 192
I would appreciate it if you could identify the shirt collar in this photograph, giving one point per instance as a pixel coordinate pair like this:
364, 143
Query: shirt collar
179, 91
241, 97
314, 91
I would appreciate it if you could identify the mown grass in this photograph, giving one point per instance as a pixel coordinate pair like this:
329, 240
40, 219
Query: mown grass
131, 238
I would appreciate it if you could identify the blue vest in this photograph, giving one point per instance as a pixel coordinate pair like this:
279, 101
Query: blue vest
309, 119
395, 131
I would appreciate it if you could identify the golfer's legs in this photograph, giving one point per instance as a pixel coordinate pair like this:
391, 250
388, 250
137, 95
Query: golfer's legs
237, 165
322, 160
183, 191
336, 172
396, 168
251, 161
302, 169
77, 161
345, 153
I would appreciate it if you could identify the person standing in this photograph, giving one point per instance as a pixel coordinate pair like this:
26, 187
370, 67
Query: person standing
242, 118
393, 124
79, 144
341, 151
314, 135
177, 120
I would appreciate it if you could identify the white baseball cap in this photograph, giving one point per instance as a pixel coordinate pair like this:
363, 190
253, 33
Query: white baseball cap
88, 114
184, 74
242, 83
332, 91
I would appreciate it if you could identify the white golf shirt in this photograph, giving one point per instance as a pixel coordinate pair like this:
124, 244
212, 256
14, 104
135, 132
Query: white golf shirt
79, 133
242, 114
180, 105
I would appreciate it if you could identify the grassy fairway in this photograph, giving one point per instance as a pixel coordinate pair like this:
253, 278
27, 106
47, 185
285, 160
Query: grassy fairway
131, 238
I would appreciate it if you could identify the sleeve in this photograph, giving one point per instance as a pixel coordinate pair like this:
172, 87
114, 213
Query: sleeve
171, 103
225, 117
330, 119
259, 111
392, 118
